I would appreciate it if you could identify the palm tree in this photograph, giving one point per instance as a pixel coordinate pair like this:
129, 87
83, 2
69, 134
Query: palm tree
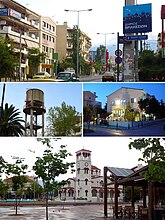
11, 122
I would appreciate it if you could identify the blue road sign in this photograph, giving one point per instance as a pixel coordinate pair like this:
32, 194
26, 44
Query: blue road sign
136, 37
118, 60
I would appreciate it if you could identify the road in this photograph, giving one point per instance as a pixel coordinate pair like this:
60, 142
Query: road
91, 78
156, 129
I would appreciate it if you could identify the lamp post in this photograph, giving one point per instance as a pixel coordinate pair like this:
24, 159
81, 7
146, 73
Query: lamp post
78, 12
105, 35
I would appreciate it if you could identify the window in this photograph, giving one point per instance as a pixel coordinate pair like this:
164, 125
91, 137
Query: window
86, 182
94, 193
133, 100
86, 170
78, 181
113, 103
86, 192
44, 36
78, 171
123, 102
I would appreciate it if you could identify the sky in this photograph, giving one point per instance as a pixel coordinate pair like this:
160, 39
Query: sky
107, 151
105, 17
54, 94
104, 89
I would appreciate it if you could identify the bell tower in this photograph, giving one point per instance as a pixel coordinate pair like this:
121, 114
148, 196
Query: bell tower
83, 174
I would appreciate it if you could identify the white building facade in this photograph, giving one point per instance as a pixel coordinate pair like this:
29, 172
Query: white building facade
118, 100
88, 184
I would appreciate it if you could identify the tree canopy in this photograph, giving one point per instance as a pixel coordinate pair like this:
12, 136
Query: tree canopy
8, 60
11, 122
63, 121
152, 66
153, 155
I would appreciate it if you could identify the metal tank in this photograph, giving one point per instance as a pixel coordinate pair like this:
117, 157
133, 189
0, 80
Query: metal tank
33, 109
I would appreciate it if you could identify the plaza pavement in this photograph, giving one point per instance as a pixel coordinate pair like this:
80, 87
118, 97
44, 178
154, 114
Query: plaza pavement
82, 212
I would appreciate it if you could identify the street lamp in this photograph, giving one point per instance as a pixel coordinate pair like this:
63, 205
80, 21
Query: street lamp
105, 34
78, 12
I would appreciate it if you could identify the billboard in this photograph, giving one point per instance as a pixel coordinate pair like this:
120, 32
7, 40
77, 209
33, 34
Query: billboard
3, 11
14, 14
137, 18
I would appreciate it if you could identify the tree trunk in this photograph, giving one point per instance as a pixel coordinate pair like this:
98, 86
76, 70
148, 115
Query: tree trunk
150, 201
16, 205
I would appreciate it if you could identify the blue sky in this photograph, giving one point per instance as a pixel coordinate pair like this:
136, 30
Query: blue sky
104, 89
54, 94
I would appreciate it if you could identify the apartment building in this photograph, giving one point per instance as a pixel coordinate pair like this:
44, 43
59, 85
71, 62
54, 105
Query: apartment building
85, 47
64, 41
65, 44
28, 30
89, 100
47, 35
21, 25
118, 100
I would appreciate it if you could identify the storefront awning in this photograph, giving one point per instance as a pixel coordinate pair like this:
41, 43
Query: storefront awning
31, 44
17, 39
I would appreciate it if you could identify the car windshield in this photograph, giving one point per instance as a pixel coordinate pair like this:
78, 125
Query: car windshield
109, 73
40, 74
64, 75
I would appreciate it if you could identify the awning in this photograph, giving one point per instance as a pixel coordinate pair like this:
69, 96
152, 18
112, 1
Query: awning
17, 39
31, 44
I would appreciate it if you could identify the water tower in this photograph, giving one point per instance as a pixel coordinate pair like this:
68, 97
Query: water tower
34, 109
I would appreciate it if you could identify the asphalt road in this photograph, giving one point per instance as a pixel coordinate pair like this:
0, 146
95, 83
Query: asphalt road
156, 129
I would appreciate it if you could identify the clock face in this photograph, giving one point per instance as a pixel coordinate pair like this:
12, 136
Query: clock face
78, 164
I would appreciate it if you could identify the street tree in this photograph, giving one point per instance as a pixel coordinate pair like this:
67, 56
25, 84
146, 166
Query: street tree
151, 66
35, 58
66, 63
153, 155
128, 115
63, 121
17, 170
11, 122
50, 166
8, 60
100, 55
151, 106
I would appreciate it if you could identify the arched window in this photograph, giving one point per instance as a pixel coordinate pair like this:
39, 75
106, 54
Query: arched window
78, 181
78, 170
86, 181
94, 192
101, 193
86, 192
86, 170
78, 192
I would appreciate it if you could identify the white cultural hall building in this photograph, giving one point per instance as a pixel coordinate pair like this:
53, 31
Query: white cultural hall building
88, 184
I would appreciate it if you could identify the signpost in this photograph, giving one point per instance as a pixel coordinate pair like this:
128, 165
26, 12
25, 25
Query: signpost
136, 37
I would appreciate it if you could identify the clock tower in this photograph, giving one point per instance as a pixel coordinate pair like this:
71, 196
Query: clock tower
83, 174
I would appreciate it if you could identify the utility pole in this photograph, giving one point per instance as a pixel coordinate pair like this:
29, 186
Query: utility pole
128, 55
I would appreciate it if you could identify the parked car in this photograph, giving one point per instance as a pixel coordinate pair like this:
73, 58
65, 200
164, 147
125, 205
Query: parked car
45, 80
42, 75
108, 76
68, 76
